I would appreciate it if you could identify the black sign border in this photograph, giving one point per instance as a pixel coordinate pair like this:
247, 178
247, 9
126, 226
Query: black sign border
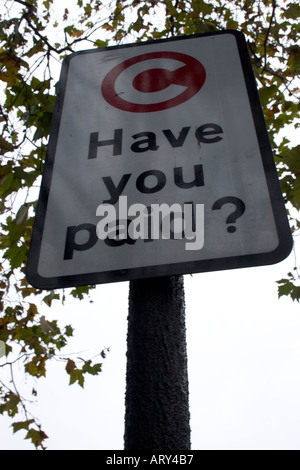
218, 264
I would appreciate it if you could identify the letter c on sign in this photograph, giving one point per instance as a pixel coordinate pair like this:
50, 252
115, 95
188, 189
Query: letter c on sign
191, 75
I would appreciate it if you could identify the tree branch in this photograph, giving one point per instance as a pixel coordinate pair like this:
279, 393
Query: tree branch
25, 4
274, 5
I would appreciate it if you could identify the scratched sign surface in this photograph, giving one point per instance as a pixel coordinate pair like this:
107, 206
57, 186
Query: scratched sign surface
137, 126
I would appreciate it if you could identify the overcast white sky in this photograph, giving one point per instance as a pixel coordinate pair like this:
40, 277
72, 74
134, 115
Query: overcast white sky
244, 367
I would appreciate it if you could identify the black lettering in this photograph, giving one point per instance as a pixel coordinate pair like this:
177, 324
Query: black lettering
95, 143
72, 245
181, 138
208, 129
161, 181
114, 242
140, 145
115, 191
198, 181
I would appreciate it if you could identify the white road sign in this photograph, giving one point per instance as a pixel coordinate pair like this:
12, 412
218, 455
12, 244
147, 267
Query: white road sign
158, 163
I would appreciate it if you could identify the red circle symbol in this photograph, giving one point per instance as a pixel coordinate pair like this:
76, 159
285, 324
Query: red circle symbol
191, 75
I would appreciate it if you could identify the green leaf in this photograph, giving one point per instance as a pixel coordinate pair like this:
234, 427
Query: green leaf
69, 330
10, 405
5, 146
294, 59
295, 293
100, 43
24, 334
16, 255
43, 126
293, 11
6, 183
77, 376
91, 369
32, 310
291, 158
49, 298
47, 3
32, 368
285, 288
295, 194
73, 32
231, 24
88, 10
79, 292
266, 93
15, 233
21, 425
37, 437
289, 288
39, 47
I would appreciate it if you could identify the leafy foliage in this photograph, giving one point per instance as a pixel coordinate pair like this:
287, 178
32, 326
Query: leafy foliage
27, 58
35, 35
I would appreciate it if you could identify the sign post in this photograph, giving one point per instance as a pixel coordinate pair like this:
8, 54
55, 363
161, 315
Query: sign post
157, 396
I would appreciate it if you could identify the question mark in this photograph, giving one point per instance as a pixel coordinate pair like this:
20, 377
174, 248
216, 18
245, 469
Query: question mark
240, 209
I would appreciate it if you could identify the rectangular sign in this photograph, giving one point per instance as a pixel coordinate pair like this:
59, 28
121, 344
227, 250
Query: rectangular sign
158, 163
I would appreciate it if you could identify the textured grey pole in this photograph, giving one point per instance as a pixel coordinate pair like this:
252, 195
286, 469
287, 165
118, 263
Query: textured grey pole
157, 397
